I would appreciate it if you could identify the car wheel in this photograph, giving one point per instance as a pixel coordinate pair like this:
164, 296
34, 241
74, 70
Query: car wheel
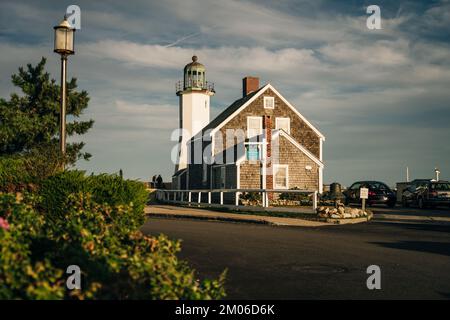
421, 203
404, 202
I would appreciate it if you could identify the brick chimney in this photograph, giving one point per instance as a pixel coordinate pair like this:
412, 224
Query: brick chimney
249, 84
269, 176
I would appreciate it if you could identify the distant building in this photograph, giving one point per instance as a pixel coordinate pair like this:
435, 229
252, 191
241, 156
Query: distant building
260, 141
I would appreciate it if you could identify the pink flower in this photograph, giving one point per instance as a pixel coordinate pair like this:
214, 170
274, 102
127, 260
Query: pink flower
4, 224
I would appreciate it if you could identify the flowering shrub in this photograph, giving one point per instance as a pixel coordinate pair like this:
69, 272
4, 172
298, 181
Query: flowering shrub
4, 224
22, 274
41, 236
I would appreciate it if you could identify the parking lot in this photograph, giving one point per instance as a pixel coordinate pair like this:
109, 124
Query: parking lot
266, 262
439, 215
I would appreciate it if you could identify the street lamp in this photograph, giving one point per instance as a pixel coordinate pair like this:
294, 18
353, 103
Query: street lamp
64, 46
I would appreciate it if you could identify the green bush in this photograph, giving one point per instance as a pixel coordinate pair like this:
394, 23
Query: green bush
55, 190
22, 275
116, 263
302, 197
13, 174
114, 190
251, 196
104, 189
26, 171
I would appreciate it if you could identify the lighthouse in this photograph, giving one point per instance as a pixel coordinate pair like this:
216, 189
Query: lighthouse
194, 94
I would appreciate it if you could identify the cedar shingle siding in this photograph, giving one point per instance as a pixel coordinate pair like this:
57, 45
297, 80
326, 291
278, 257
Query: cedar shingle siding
250, 175
297, 161
300, 131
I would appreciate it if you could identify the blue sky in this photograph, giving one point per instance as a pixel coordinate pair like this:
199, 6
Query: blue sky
381, 97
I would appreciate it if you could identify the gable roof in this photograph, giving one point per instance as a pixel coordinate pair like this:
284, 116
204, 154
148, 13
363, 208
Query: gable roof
230, 112
225, 114
283, 133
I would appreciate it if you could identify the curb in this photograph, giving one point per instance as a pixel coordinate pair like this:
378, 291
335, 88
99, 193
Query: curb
216, 218
264, 220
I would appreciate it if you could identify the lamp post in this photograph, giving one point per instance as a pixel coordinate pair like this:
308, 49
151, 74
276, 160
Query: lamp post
64, 46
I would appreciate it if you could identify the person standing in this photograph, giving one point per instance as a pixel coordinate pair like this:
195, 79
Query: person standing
159, 182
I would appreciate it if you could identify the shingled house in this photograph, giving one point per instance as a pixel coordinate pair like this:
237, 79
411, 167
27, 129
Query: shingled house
260, 141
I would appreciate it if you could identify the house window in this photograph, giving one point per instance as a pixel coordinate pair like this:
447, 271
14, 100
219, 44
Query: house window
252, 152
254, 126
283, 123
205, 172
281, 176
222, 177
269, 102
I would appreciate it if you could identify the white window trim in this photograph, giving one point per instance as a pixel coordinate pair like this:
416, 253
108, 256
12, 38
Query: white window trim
275, 169
266, 98
260, 124
281, 118
260, 148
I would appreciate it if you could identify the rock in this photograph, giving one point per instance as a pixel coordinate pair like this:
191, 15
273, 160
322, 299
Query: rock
321, 209
341, 210
354, 211
333, 211
335, 216
347, 215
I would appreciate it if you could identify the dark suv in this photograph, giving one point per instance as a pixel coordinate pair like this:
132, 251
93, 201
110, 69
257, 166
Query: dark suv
379, 193
427, 194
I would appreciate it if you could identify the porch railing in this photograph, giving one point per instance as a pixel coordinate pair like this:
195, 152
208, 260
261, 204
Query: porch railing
205, 196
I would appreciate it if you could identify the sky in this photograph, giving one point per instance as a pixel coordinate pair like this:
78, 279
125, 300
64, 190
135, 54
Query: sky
381, 97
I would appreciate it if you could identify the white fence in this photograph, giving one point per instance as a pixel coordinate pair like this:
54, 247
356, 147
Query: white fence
216, 197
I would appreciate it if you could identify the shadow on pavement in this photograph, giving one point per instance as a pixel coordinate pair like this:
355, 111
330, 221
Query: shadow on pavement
446, 295
442, 248
417, 226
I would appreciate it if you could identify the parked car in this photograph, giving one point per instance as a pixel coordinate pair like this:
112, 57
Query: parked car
427, 194
379, 193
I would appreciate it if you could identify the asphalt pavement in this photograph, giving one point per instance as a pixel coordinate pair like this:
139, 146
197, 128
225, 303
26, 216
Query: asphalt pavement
326, 262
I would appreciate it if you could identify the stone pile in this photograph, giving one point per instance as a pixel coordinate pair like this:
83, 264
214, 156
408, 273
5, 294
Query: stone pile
341, 212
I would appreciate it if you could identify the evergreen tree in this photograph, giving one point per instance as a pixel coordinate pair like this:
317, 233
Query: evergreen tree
30, 121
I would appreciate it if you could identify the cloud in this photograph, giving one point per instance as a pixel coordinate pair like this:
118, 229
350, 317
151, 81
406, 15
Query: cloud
149, 116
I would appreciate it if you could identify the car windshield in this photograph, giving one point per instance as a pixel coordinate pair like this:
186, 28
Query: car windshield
440, 186
378, 186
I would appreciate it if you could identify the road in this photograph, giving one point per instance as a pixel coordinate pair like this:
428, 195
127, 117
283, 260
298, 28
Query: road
267, 262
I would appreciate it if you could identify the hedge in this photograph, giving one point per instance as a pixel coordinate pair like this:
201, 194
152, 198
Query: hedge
117, 261
104, 189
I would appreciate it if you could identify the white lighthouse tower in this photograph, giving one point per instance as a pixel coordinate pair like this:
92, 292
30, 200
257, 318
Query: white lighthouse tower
194, 92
